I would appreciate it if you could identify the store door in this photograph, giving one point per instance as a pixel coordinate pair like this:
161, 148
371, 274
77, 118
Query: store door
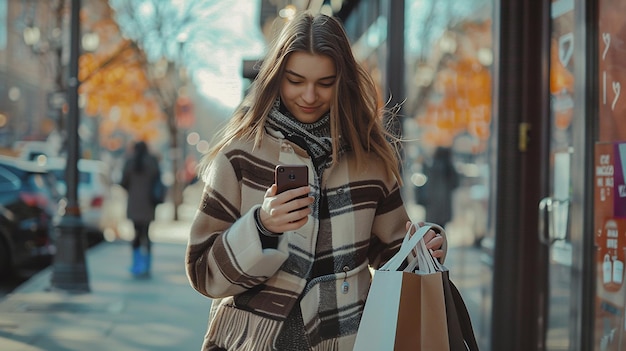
555, 210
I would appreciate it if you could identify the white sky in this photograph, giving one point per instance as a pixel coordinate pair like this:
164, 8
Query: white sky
221, 34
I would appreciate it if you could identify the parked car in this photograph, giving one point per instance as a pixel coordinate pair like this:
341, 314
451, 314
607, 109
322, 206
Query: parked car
94, 184
28, 205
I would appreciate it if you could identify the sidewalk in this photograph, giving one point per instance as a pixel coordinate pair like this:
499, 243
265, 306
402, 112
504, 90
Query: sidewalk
119, 313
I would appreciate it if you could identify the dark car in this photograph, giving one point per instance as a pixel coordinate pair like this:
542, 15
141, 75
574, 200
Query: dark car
28, 205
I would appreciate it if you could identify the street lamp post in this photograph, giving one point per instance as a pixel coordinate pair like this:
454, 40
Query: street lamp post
69, 270
179, 157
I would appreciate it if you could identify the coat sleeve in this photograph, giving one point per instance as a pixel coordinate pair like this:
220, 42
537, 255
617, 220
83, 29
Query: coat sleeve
389, 228
224, 253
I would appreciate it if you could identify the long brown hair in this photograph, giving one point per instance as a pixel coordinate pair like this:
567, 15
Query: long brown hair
354, 112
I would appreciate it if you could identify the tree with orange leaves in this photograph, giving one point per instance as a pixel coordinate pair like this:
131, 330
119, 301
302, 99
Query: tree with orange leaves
114, 83
144, 67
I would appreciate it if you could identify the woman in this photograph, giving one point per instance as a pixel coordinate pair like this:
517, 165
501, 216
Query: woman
140, 172
291, 273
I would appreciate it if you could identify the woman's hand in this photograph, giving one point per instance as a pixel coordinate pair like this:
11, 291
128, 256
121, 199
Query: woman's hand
284, 212
433, 240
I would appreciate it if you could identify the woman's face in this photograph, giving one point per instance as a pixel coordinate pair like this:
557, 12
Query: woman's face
307, 85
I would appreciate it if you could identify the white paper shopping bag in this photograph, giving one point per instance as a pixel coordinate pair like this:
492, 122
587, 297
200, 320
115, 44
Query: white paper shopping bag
405, 311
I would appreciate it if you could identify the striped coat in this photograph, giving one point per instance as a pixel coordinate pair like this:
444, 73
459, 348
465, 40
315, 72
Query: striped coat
256, 288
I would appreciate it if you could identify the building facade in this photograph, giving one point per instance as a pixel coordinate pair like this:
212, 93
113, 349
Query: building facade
527, 94
31, 64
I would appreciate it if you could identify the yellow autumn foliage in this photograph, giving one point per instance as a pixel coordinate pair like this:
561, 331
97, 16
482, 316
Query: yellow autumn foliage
114, 82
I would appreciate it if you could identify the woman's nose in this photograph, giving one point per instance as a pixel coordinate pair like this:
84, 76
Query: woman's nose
309, 95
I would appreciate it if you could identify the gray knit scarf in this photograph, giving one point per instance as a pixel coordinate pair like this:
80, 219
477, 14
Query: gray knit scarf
313, 137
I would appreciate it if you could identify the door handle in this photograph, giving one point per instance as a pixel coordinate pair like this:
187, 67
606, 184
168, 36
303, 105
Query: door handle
553, 217
545, 208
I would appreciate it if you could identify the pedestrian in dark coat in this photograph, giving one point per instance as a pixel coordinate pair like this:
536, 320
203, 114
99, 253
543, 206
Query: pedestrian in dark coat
442, 180
141, 171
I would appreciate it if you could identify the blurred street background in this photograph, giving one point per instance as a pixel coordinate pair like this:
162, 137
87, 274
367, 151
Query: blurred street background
170, 73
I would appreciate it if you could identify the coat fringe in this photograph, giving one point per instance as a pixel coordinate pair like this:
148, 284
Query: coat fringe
327, 345
238, 330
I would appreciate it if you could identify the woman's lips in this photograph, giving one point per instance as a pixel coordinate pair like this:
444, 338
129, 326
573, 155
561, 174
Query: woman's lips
306, 109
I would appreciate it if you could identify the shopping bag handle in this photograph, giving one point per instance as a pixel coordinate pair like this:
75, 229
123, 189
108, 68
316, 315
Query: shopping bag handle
424, 261
408, 244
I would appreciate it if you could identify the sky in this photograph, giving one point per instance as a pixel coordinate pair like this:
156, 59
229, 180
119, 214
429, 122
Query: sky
215, 39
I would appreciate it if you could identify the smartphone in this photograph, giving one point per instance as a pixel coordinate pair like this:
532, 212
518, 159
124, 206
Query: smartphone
288, 177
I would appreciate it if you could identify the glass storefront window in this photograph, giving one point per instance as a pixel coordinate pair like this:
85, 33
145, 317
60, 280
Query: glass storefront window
448, 53
449, 57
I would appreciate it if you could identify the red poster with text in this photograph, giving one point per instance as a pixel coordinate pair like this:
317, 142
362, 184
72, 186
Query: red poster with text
610, 240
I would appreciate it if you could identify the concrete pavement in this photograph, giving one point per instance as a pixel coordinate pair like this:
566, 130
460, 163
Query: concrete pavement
119, 313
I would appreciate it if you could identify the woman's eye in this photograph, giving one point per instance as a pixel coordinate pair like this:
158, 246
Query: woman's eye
293, 81
327, 85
